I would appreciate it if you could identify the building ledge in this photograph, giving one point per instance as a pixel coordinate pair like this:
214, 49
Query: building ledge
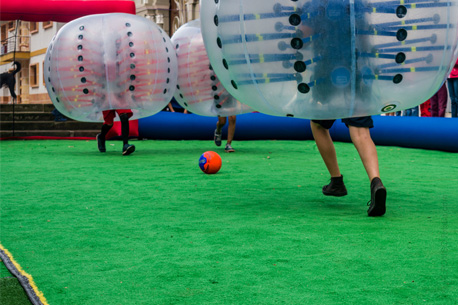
9, 57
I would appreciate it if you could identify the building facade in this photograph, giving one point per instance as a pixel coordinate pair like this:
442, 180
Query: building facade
27, 43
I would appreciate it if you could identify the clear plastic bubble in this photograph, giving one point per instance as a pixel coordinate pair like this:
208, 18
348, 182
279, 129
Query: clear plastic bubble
110, 61
327, 59
199, 90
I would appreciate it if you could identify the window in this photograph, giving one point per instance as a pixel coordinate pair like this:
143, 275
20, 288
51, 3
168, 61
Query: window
34, 75
3, 32
47, 24
33, 27
43, 74
11, 26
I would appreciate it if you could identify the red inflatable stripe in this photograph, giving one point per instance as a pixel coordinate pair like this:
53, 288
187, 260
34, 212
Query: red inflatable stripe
61, 10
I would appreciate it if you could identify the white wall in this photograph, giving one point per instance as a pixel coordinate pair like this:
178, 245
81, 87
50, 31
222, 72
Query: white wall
39, 42
43, 37
41, 87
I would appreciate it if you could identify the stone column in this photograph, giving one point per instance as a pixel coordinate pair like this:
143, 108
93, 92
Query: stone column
157, 11
192, 10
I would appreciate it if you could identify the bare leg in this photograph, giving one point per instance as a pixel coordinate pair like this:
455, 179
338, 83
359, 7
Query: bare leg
220, 124
326, 147
362, 140
231, 129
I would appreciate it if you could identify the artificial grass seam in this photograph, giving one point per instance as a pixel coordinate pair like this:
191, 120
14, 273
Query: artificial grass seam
35, 296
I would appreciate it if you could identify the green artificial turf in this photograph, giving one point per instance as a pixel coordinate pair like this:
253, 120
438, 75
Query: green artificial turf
3, 271
151, 228
11, 292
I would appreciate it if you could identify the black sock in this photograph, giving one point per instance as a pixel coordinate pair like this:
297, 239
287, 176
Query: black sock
124, 128
105, 129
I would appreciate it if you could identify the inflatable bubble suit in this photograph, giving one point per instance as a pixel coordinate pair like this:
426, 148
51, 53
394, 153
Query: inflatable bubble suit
110, 61
328, 59
199, 89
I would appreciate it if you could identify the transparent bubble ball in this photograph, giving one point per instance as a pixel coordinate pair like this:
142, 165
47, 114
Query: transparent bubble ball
328, 59
199, 90
110, 61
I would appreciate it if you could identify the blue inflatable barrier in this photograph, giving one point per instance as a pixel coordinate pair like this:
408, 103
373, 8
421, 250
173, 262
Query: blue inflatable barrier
250, 126
413, 132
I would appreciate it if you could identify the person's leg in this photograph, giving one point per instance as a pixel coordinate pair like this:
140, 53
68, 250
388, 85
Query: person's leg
367, 151
127, 149
101, 137
219, 125
124, 128
108, 117
231, 129
327, 151
361, 138
455, 109
326, 148
453, 91
455, 98
230, 133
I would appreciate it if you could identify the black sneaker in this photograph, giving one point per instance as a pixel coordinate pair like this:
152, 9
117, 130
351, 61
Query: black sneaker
377, 205
217, 138
128, 149
335, 188
101, 143
229, 148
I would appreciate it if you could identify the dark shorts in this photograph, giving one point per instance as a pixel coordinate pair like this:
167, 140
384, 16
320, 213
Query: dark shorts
364, 121
109, 115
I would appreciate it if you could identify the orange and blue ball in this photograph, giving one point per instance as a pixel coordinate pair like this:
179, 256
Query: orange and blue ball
210, 162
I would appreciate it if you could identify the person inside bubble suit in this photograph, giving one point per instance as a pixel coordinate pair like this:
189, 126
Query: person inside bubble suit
332, 22
230, 132
114, 93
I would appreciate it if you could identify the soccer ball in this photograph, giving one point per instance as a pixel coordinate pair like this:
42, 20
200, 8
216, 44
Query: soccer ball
210, 162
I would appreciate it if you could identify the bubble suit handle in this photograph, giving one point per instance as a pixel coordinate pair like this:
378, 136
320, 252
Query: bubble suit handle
328, 59
110, 61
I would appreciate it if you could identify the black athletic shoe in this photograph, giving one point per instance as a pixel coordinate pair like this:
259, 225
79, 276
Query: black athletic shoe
335, 188
101, 143
377, 205
229, 148
128, 149
217, 138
